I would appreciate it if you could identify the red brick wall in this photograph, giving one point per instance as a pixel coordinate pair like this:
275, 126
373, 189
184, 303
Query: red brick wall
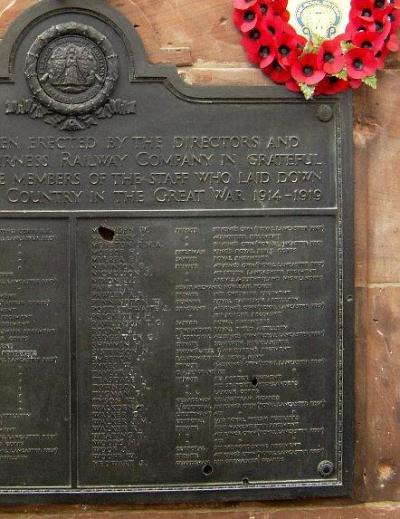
199, 37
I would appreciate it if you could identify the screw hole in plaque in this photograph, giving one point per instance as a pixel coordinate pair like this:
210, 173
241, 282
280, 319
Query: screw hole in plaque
246, 481
208, 470
326, 468
254, 381
106, 233
349, 299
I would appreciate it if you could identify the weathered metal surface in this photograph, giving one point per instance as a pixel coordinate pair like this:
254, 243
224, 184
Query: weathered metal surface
176, 276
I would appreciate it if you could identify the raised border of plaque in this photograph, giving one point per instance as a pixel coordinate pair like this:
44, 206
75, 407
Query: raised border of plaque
74, 71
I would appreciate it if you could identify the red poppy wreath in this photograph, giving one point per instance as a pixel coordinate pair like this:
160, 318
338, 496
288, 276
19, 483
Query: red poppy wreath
314, 63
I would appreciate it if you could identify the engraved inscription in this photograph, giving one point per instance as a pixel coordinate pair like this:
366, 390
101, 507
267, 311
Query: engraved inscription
247, 328
34, 352
140, 172
126, 321
240, 302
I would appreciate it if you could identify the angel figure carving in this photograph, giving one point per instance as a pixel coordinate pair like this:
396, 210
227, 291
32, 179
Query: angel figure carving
72, 68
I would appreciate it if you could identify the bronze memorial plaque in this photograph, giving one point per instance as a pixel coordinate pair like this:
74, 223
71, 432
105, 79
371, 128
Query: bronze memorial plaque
176, 276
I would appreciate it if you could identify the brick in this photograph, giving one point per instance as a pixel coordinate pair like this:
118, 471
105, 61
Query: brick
220, 75
330, 510
362, 134
382, 409
180, 31
378, 148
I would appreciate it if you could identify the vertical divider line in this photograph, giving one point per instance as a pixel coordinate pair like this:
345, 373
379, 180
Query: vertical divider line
74, 352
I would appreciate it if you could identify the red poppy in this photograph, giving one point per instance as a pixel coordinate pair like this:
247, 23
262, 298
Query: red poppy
277, 73
267, 50
273, 24
380, 57
381, 4
360, 63
260, 51
244, 4
278, 7
264, 7
379, 11
292, 85
382, 23
289, 46
394, 18
289, 30
395, 4
354, 83
359, 26
369, 40
251, 41
305, 70
356, 26
246, 20
392, 43
362, 10
331, 85
330, 56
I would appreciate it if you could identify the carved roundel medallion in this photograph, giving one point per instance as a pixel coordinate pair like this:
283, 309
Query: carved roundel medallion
72, 69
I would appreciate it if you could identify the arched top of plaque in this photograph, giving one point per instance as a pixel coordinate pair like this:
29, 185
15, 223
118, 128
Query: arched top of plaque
71, 65
48, 9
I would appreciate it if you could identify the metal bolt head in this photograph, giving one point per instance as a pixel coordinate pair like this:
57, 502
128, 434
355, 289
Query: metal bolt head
326, 468
324, 113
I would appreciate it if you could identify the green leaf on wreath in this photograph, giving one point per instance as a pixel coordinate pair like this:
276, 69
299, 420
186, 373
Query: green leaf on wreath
307, 90
342, 74
309, 48
346, 46
317, 40
371, 81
